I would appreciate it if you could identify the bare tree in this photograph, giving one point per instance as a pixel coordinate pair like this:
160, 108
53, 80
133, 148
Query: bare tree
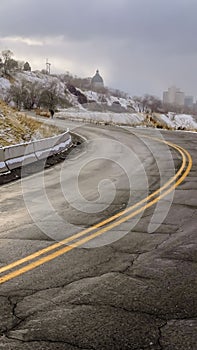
49, 97
24, 94
148, 103
8, 62
1, 63
35, 91
20, 65
170, 107
153, 103
16, 94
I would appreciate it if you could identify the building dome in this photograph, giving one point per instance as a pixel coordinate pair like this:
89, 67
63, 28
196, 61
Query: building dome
97, 81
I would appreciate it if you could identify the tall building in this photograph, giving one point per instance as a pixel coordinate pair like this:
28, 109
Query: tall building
189, 101
165, 98
173, 96
179, 98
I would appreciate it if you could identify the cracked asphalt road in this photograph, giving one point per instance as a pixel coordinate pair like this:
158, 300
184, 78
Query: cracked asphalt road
127, 289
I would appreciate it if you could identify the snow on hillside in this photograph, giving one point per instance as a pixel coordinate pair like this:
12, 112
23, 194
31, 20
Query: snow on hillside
184, 121
42, 79
103, 108
178, 121
4, 87
46, 80
109, 100
130, 119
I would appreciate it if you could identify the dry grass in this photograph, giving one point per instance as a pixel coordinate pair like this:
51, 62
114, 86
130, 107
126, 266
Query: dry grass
150, 122
16, 127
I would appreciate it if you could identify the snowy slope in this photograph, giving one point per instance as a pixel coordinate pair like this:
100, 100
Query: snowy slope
179, 121
104, 108
182, 121
4, 87
108, 99
130, 119
46, 80
185, 121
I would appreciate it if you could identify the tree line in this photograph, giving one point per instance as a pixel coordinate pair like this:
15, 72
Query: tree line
148, 103
8, 64
29, 95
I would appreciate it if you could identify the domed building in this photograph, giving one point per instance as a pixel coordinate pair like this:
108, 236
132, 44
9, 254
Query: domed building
97, 81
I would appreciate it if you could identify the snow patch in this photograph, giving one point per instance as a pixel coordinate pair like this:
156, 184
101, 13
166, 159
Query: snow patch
99, 117
2, 165
114, 104
184, 120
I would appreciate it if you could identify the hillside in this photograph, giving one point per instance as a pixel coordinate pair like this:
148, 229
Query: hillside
39, 89
68, 95
16, 128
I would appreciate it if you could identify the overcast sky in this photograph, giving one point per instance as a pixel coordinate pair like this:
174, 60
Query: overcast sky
139, 46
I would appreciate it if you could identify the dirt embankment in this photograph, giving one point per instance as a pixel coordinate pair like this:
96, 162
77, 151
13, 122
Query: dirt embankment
16, 127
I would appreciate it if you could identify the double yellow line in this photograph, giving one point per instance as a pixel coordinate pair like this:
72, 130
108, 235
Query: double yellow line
34, 260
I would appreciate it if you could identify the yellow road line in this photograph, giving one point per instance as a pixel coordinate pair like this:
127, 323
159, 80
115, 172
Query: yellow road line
100, 224
64, 250
90, 237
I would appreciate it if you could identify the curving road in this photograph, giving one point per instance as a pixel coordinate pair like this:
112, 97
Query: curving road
99, 252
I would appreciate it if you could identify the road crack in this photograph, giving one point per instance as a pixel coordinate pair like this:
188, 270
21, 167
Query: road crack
49, 341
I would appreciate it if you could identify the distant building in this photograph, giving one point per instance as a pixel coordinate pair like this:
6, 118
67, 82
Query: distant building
189, 101
173, 96
97, 81
179, 98
165, 98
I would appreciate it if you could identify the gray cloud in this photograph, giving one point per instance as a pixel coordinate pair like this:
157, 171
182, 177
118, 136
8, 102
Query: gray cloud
139, 45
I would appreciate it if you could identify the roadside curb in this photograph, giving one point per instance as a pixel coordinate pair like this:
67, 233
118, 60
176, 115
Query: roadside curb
43, 158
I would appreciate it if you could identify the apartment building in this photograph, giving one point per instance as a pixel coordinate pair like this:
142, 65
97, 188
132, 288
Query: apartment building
173, 96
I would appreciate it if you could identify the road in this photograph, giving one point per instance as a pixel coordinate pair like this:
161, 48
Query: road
99, 251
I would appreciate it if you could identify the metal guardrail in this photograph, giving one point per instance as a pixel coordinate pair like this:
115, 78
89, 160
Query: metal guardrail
12, 157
